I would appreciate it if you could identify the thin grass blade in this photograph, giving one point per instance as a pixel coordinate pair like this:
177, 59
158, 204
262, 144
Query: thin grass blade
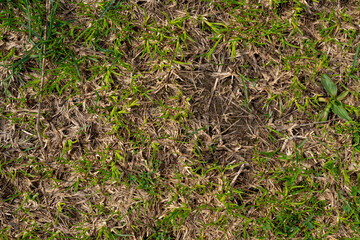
355, 59
106, 8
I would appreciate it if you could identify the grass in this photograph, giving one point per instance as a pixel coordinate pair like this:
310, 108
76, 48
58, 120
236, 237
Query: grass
178, 120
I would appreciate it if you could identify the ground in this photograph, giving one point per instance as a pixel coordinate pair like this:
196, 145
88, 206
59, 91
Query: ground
188, 119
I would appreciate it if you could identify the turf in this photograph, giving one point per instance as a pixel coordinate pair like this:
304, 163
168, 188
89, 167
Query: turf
188, 119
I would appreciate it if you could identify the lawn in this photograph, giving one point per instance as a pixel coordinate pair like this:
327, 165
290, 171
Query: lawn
179, 119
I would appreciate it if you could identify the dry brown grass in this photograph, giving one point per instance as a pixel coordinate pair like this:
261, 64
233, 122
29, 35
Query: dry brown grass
136, 170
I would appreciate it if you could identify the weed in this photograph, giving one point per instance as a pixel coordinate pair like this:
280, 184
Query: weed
333, 103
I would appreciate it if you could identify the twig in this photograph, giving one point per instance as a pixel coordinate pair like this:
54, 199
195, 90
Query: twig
304, 125
207, 109
237, 175
42, 79
212, 94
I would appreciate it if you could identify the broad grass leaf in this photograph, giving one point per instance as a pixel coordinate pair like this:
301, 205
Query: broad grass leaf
342, 95
329, 85
339, 110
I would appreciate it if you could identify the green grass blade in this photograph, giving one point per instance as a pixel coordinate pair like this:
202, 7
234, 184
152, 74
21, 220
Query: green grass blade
106, 9
51, 19
246, 93
355, 59
29, 17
